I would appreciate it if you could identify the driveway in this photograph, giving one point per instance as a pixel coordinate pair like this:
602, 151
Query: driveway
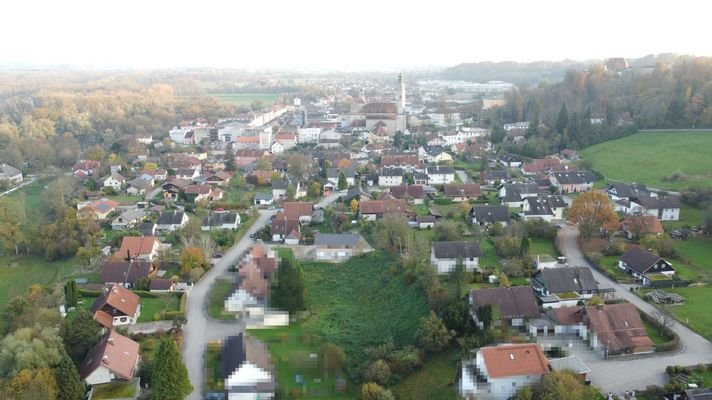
619, 374
462, 175
199, 329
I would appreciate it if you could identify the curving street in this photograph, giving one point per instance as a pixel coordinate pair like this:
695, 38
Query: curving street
619, 374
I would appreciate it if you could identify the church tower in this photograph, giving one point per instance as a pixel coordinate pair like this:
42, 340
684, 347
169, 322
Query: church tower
400, 106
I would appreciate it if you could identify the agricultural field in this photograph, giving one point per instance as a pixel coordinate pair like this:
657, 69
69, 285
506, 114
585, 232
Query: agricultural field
661, 154
244, 99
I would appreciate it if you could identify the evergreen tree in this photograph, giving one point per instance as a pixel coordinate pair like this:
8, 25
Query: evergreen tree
342, 184
169, 377
288, 291
562, 122
70, 387
524, 246
79, 335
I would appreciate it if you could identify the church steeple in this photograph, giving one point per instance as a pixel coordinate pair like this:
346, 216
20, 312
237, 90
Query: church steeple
401, 95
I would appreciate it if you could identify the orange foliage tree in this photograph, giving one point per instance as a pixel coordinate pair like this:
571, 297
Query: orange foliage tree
592, 211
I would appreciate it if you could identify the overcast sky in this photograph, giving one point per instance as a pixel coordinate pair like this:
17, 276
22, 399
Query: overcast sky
352, 35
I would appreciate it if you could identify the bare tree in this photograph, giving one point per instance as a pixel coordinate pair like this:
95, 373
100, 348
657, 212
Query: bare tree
664, 317
207, 245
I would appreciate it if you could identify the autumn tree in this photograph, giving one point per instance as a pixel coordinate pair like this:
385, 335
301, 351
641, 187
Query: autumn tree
432, 333
332, 357
297, 166
591, 211
314, 190
446, 231
378, 372
30, 348
190, 258
353, 206
560, 385
374, 391
31, 384
169, 377
12, 219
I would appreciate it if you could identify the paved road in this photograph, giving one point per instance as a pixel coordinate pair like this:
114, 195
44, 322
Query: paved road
620, 374
199, 330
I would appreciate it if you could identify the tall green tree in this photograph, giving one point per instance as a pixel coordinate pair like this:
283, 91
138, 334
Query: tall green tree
66, 374
524, 245
80, 335
169, 377
433, 335
562, 122
342, 184
287, 292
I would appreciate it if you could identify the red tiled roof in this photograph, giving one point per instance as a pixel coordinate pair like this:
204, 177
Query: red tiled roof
515, 360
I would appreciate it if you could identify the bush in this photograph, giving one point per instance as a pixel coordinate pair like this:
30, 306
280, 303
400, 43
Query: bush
506, 246
146, 294
540, 229
442, 201
614, 248
378, 372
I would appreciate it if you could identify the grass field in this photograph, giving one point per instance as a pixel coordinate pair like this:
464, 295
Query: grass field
697, 251
647, 157
17, 274
543, 246
152, 308
114, 390
31, 194
432, 381
245, 99
216, 300
695, 312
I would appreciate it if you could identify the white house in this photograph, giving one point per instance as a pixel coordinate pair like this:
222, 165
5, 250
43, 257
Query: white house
10, 174
170, 221
115, 180
264, 199
664, 208
498, 372
390, 177
440, 175
277, 148
308, 135
221, 220
445, 255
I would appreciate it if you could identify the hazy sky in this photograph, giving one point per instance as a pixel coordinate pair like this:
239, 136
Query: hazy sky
353, 35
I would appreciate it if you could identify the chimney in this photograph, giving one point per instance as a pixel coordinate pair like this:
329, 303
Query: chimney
110, 340
105, 359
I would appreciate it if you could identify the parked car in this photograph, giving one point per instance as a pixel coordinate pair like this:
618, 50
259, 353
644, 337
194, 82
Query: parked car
218, 255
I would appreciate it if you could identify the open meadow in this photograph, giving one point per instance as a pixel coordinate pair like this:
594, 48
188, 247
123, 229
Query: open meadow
649, 157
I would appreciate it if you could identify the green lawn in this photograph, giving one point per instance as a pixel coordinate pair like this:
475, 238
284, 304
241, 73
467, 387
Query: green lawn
695, 312
153, 307
213, 374
17, 274
489, 255
31, 195
654, 333
697, 251
126, 199
245, 99
291, 349
543, 246
647, 157
216, 300
114, 390
689, 216
434, 380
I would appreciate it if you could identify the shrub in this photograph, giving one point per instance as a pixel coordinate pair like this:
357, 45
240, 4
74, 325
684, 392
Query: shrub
614, 248
506, 246
378, 372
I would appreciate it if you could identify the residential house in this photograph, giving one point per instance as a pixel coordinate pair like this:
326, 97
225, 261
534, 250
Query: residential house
440, 175
610, 329
635, 227
624, 191
434, 154
143, 248
116, 306
115, 181
444, 256
86, 167
516, 304
98, 209
247, 143
301, 211
283, 227
564, 287
264, 199
172, 188
279, 189
371, 210
197, 193
459, 192
494, 176
511, 160
664, 208
498, 372
126, 273
140, 185
573, 181
246, 368
221, 220
487, 215
547, 208
128, 220
390, 177
337, 246
413, 194
147, 229
514, 195
162, 286
287, 140
408, 162
645, 266
420, 178
190, 174
171, 221
114, 358
570, 155
246, 157
218, 178
544, 166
